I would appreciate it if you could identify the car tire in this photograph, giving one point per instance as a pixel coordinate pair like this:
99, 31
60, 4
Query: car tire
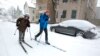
53, 30
84, 36
79, 34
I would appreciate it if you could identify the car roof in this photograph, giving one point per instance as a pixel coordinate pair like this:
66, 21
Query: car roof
81, 24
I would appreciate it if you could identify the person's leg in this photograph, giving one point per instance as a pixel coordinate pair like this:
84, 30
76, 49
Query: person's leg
23, 34
46, 36
41, 30
20, 36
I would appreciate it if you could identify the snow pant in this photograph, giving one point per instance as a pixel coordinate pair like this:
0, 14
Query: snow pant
21, 36
46, 34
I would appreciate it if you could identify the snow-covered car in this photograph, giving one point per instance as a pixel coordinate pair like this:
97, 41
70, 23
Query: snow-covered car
75, 28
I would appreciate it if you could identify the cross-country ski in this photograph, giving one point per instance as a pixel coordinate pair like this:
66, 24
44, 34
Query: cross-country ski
27, 44
21, 44
40, 42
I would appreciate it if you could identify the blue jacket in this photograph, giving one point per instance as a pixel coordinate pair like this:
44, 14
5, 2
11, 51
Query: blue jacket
43, 21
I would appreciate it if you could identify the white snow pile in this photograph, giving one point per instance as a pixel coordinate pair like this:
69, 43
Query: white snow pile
81, 24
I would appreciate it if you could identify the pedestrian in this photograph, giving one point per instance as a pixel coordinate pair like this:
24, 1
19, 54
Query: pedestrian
44, 17
22, 23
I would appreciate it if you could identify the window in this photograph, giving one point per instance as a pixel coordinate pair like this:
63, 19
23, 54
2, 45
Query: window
74, 12
33, 18
56, 14
74, 0
63, 14
40, 7
33, 11
64, 1
57, 2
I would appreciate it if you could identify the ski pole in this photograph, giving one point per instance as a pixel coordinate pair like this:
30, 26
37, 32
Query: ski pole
27, 29
30, 34
15, 32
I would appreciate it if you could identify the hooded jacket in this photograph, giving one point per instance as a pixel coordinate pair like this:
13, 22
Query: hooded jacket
22, 24
43, 21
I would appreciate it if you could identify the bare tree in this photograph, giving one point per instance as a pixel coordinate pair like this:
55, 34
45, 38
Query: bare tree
15, 13
51, 7
18, 12
12, 12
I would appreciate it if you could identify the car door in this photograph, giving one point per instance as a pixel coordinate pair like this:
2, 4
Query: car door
66, 30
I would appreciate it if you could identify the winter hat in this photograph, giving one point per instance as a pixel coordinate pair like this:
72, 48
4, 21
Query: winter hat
42, 11
26, 15
46, 11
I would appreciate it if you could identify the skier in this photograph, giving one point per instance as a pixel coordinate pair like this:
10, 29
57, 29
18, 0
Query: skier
22, 23
44, 17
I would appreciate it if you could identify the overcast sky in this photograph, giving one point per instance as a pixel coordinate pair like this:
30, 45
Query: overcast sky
8, 3
98, 3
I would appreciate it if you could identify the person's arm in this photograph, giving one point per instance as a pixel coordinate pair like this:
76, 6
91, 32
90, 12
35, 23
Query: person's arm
46, 19
28, 23
18, 22
39, 20
41, 15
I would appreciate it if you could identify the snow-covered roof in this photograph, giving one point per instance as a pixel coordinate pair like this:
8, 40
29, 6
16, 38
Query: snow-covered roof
30, 4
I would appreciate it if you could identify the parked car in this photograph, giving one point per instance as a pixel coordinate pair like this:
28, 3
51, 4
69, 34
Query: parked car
75, 28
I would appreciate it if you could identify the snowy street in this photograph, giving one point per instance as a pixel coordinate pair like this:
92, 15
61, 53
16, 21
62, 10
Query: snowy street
74, 46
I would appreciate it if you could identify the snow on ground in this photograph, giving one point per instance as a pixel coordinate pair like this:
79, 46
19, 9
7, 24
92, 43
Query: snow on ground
75, 46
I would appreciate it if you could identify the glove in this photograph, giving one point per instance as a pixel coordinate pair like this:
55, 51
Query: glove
17, 25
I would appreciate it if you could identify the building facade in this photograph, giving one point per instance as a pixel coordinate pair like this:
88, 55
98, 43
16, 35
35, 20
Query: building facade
61, 10
30, 10
40, 5
46, 5
75, 9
